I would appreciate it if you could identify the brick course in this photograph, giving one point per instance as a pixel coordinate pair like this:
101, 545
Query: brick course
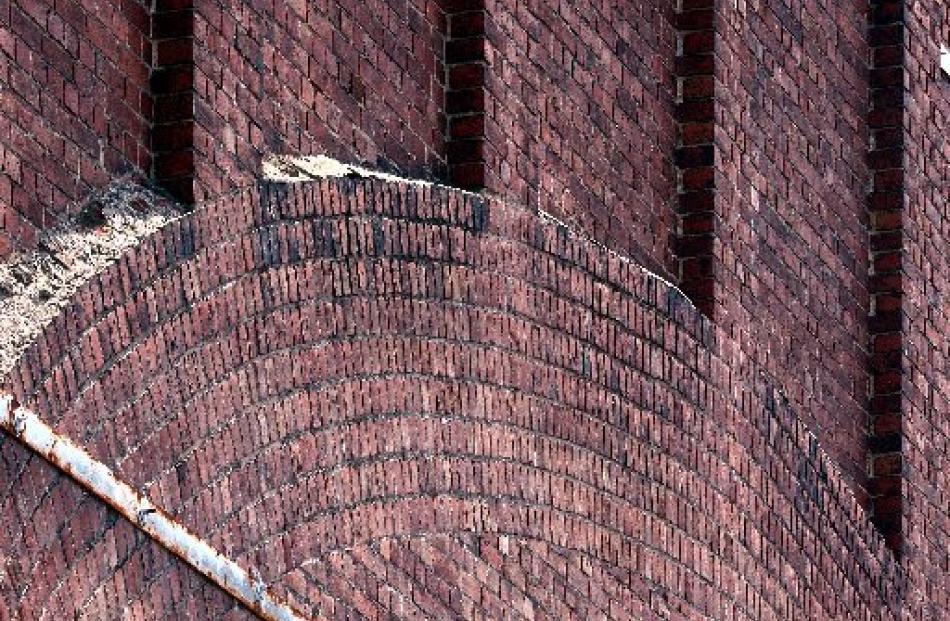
361, 387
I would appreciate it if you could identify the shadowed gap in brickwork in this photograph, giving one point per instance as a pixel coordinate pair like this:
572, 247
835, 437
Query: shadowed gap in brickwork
886, 210
172, 84
465, 93
694, 231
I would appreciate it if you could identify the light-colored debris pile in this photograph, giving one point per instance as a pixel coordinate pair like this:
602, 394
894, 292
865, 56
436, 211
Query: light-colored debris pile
35, 285
300, 168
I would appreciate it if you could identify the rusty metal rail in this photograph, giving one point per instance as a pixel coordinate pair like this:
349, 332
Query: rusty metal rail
99, 480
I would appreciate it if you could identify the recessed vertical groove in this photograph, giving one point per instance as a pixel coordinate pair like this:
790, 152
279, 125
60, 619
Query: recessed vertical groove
172, 83
886, 212
465, 67
694, 231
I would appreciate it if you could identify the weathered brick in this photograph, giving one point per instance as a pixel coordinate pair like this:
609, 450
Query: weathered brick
68, 64
462, 433
507, 418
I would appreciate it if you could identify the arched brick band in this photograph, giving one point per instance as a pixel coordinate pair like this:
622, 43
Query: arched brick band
364, 387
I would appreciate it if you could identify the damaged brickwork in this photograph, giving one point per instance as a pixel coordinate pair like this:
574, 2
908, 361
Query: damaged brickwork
404, 375
37, 285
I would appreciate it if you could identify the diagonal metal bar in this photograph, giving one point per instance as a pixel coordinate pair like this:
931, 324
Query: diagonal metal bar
99, 480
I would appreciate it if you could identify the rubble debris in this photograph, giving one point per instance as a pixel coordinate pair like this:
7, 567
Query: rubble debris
301, 168
35, 285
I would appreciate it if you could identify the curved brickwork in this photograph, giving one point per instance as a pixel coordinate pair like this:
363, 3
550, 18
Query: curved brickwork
69, 555
364, 388
467, 575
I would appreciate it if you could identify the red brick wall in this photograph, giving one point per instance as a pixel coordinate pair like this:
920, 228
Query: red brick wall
593, 92
89, 563
579, 117
791, 185
74, 106
359, 81
388, 397
926, 310
595, 367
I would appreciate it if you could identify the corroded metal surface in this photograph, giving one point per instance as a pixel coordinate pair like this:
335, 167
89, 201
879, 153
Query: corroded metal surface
98, 479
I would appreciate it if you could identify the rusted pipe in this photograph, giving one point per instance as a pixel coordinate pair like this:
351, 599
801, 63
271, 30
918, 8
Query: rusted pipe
99, 480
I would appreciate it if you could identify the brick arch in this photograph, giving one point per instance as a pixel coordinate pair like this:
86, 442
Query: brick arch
298, 371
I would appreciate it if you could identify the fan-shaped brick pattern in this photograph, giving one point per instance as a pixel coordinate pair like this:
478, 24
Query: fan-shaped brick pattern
402, 401
474, 576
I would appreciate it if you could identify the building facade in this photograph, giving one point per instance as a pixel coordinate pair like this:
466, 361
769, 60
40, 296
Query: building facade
648, 318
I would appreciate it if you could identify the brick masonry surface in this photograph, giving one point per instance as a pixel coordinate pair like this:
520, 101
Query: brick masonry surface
886, 205
925, 378
360, 81
579, 103
395, 398
75, 107
392, 398
567, 108
792, 181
